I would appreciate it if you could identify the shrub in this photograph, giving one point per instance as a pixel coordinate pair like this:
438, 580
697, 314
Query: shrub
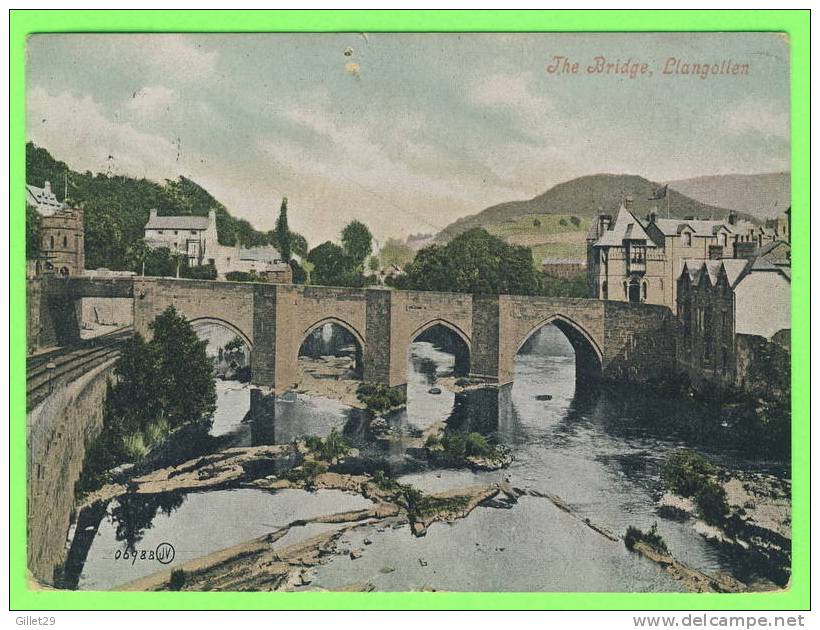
177, 581
383, 481
459, 446
200, 272
379, 398
575, 221
686, 472
156, 431
652, 538
711, 502
632, 536
332, 447
134, 446
306, 473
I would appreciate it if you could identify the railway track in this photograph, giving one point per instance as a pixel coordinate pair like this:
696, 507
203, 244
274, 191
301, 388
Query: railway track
47, 371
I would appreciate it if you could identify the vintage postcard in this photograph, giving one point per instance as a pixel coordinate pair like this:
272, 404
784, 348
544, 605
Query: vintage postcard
399, 312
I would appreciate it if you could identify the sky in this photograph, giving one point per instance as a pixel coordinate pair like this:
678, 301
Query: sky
405, 132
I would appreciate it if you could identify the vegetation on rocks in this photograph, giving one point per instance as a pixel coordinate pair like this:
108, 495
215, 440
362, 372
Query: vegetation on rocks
652, 538
464, 447
689, 474
306, 473
330, 449
379, 398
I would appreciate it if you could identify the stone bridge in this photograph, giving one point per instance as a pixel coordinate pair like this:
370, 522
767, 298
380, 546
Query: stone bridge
612, 339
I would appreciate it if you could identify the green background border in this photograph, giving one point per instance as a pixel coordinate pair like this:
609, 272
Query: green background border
794, 23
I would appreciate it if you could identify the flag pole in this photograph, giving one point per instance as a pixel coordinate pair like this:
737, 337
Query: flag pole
667, 201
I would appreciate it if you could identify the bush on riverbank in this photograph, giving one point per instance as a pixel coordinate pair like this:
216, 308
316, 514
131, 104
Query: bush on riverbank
161, 386
689, 474
306, 473
462, 447
380, 398
652, 538
756, 419
331, 448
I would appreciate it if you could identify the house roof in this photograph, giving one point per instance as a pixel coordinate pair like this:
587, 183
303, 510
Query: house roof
176, 223
264, 254
625, 227
43, 198
673, 227
563, 261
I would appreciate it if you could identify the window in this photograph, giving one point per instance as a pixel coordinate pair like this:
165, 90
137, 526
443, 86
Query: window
176, 232
643, 292
686, 239
604, 292
722, 240
193, 232
65, 241
160, 231
51, 242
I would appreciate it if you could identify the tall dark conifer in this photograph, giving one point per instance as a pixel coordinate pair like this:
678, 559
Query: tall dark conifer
283, 231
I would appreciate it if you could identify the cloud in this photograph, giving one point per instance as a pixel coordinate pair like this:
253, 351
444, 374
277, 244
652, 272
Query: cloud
508, 92
151, 100
174, 54
757, 118
76, 126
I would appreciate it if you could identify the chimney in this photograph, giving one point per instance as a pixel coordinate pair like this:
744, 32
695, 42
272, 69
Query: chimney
652, 217
152, 213
47, 188
732, 218
604, 223
628, 202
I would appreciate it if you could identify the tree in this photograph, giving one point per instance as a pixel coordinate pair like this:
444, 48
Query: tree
183, 379
283, 236
357, 242
32, 232
474, 262
395, 252
330, 265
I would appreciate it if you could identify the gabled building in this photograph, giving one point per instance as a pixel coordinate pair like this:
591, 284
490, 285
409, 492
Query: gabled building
639, 260
196, 237
727, 307
193, 236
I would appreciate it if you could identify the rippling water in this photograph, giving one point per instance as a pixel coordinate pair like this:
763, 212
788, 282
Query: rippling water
597, 453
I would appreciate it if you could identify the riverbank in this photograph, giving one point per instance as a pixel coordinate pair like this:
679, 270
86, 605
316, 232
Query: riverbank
756, 528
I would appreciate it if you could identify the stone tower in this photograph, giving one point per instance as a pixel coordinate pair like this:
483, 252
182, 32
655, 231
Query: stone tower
63, 242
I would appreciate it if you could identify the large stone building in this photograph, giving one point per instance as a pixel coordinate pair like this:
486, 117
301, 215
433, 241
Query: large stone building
197, 238
730, 308
639, 260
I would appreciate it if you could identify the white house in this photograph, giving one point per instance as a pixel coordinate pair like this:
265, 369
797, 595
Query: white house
197, 238
43, 199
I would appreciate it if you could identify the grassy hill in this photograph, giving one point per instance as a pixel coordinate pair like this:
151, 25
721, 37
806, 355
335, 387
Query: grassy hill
763, 195
554, 224
117, 207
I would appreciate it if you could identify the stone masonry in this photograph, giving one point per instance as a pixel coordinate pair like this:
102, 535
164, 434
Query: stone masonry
611, 339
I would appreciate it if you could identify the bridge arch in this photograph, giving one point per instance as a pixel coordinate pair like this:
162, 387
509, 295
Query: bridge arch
445, 324
588, 355
456, 342
216, 321
338, 322
347, 328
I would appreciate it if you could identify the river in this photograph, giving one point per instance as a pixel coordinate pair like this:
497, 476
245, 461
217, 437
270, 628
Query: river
599, 452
